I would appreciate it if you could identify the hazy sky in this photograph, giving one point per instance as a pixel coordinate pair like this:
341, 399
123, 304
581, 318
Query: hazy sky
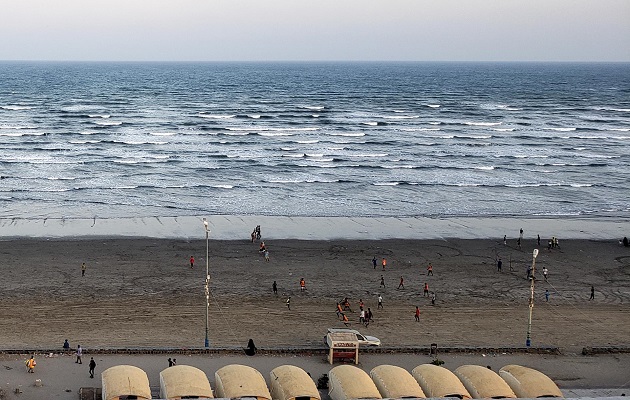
231, 30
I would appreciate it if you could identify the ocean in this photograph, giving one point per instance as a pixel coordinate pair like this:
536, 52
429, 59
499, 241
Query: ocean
117, 140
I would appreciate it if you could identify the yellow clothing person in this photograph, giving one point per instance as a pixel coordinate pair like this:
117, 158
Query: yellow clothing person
30, 365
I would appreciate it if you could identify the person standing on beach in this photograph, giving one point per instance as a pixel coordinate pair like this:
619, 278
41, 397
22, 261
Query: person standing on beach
170, 362
401, 285
380, 302
417, 314
274, 287
538, 240
382, 281
79, 354
545, 272
547, 295
432, 298
192, 262
374, 262
505, 240
430, 269
66, 346
592, 293
384, 263
520, 236
362, 316
368, 317
499, 265
83, 268
30, 365
267, 255
289, 303
92, 367
518, 243
426, 289
302, 284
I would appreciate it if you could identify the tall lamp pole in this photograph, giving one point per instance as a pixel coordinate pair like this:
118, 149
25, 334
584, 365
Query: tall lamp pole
207, 288
528, 342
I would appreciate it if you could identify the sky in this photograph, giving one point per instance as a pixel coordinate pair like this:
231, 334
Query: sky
323, 30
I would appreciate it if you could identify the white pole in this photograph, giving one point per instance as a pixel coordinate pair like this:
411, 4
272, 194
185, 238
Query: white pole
528, 341
207, 288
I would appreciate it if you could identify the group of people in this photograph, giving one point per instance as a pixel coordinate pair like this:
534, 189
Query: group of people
31, 363
365, 316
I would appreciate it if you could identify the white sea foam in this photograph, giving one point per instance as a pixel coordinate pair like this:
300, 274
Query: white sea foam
433, 105
59, 178
309, 141
369, 155
620, 129
398, 166
504, 129
108, 123
16, 108
254, 116
486, 168
314, 155
562, 129
401, 116
288, 148
210, 116
266, 133
315, 115
370, 123
18, 134
435, 123
322, 159
482, 123
301, 155
99, 115
419, 129
163, 133
348, 134
84, 141
386, 183
317, 108
222, 186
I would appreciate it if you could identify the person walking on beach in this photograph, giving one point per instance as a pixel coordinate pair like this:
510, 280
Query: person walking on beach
344, 318
374, 262
267, 255
192, 262
547, 295
417, 314
368, 317
289, 303
83, 268
30, 365
505, 240
432, 298
66, 345
592, 293
380, 302
426, 289
79, 354
170, 362
518, 243
274, 287
361, 304
92, 367
430, 269
401, 284
302, 284
382, 281
362, 316
520, 236
499, 265
545, 272
384, 263
538, 240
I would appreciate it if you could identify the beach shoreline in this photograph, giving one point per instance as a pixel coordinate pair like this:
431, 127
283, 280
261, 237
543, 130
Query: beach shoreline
235, 227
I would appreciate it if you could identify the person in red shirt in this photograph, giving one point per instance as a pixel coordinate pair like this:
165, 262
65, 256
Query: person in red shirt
430, 270
192, 261
384, 263
426, 289
417, 314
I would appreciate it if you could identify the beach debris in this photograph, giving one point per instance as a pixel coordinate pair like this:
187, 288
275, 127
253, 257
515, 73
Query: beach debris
38, 383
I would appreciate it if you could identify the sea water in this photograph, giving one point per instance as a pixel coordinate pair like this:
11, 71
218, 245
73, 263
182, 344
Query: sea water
87, 140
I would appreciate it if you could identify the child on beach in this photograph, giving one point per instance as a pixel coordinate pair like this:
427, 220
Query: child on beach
192, 262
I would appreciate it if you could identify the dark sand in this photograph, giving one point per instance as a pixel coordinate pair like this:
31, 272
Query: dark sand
143, 293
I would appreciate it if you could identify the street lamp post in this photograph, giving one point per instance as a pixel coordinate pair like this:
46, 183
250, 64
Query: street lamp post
207, 288
528, 342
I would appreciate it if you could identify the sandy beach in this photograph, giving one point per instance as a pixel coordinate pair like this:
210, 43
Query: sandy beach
143, 292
